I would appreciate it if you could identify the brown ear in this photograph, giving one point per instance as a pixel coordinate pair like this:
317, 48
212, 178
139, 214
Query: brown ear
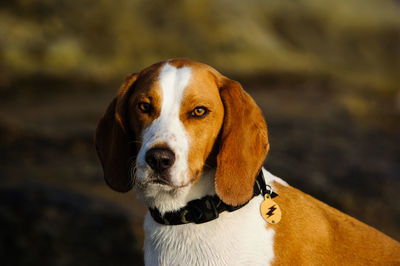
112, 142
244, 145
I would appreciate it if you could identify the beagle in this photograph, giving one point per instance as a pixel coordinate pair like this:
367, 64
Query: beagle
192, 143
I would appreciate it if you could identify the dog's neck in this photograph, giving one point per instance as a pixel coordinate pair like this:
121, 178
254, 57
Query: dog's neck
224, 240
174, 199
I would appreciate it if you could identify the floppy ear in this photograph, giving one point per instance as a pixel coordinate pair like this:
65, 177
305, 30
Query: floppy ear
112, 140
244, 145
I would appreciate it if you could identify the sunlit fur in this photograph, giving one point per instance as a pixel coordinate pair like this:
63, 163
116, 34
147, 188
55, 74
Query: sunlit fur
309, 233
191, 139
238, 238
185, 245
167, 129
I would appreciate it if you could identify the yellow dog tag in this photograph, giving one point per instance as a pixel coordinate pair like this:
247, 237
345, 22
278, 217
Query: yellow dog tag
270, 211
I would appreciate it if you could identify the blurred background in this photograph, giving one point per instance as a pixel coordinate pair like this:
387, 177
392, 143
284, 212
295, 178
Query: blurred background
325, 73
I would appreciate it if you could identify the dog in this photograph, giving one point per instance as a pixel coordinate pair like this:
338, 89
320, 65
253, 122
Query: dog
192, 143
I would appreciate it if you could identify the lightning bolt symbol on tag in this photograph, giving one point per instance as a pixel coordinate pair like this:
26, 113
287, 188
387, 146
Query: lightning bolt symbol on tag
271, 211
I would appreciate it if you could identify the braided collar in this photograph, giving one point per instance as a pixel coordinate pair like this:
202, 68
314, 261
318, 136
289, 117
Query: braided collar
207, 208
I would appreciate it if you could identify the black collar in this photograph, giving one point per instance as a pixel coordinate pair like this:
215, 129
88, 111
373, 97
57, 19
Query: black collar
207, 208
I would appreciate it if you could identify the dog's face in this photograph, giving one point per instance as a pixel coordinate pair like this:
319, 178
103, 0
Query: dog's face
173, 121
176, 117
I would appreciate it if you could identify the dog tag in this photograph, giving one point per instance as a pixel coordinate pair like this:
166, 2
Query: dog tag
270, 211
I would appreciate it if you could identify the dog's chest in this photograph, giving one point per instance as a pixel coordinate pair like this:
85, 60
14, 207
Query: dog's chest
237, 238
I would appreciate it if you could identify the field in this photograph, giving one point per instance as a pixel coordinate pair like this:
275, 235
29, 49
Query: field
325, 75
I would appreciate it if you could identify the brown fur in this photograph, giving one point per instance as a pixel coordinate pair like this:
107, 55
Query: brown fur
244, 145
313, 233
233, 115
111, 140
235, 134
201, 91
118, 132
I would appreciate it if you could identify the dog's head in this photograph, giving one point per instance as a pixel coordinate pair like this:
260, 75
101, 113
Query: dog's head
174, 121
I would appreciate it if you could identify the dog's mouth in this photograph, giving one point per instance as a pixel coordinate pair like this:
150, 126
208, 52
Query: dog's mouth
165, 183
168, 184
161, 182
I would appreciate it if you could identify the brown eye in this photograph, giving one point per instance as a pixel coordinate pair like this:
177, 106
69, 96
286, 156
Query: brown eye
199, 112
144, 107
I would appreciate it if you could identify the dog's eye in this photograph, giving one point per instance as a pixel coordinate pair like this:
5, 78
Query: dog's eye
144, 107
199, 112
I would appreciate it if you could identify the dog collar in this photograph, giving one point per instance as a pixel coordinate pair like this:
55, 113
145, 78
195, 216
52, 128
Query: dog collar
207, 208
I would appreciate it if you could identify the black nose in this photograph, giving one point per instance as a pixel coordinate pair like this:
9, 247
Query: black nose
160, 159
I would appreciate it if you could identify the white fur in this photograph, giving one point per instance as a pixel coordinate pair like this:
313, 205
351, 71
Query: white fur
167, 128
241, 237
270, 178
235, 238
156, 195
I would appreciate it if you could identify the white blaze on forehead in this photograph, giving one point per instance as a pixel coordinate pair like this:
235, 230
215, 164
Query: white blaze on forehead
167, 128
173, 82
